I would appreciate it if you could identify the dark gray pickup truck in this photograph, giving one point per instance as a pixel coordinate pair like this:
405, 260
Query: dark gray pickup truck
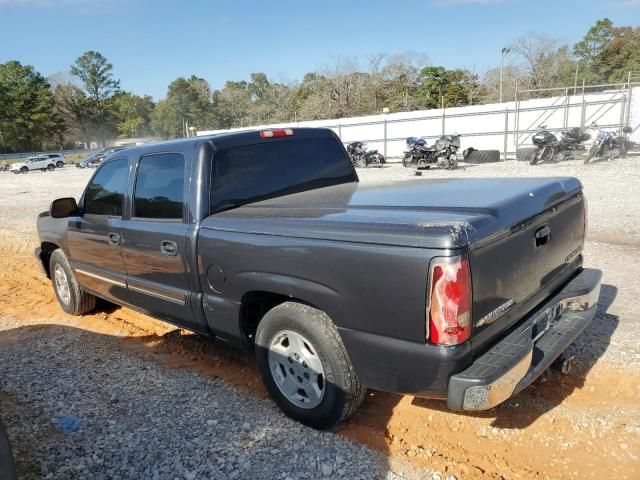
464, 290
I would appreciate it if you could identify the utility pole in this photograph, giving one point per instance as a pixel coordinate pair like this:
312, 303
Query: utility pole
505, 52
575, 81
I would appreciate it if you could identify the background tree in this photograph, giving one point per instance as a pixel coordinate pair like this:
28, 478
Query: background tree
132, 114
189, 103
71, 104
27, 118
542, 60
99, 84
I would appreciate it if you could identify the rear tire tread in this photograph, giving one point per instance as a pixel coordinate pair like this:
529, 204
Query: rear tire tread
354, 391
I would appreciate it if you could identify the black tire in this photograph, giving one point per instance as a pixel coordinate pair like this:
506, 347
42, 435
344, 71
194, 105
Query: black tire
525, 154
60, 164
24, 170
591, 153
406, 160
79, 302
343, 393
51, 167
483, 156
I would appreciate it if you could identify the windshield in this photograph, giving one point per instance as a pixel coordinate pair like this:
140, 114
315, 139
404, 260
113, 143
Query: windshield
256, 172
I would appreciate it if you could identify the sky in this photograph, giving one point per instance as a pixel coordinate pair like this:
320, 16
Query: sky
152, 42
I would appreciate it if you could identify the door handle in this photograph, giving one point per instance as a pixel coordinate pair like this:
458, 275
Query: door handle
114, 239
542, 236
168, 248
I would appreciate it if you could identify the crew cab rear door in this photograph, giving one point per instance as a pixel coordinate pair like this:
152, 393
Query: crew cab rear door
154, 243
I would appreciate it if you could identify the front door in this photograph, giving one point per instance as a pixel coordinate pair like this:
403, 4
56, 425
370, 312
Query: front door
94, 235
154, 240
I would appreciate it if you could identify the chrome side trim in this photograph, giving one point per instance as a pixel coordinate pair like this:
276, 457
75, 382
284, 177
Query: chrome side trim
100, 277
177, 301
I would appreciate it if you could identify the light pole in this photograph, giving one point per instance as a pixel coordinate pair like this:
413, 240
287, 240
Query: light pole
505, 52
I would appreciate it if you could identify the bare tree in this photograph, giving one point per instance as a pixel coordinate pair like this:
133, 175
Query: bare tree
491, 83
542, 59
71, 104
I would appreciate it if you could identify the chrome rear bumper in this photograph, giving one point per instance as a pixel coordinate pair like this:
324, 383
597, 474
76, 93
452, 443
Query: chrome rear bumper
521, 356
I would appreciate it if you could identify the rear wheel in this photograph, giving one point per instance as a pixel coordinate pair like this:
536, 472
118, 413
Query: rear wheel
71, 297
51, 167
305, 366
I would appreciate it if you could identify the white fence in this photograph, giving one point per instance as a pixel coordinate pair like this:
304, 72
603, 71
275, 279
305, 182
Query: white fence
500, 126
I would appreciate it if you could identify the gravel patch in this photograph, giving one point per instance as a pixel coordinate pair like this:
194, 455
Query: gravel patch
79, 405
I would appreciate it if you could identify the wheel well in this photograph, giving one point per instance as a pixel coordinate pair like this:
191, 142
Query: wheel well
45, 256
253, 307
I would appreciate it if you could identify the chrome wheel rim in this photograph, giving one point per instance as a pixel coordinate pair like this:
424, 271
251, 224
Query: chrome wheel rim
297, 369
62, 285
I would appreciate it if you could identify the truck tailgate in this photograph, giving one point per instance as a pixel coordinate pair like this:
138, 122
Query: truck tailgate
519, 266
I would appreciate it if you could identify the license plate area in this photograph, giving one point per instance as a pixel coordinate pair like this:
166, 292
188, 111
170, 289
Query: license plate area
544, 321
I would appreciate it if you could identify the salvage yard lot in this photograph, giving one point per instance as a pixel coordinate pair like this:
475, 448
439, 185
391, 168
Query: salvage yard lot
117, 394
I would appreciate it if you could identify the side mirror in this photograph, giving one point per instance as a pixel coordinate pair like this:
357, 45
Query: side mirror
627, 130
63, 207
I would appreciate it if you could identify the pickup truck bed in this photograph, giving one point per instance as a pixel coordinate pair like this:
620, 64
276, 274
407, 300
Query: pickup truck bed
279, 248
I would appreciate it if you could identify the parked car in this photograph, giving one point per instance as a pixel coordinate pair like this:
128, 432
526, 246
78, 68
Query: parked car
57, 157
458, 289
38, 162
95, 159
90, 161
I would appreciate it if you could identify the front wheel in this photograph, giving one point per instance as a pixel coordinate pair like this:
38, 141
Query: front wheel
407, 160
70, 295
24, 170
305, 367
60, 164
590, 154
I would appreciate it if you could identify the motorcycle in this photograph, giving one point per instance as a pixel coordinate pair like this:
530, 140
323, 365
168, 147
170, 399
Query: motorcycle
609, 144
549, 148
361, 157
442, 153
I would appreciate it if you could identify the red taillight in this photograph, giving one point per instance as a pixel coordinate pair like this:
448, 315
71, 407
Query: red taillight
279, 132
449, 309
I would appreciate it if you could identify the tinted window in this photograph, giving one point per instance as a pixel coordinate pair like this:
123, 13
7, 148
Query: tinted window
105, 192
256, 172
159, 186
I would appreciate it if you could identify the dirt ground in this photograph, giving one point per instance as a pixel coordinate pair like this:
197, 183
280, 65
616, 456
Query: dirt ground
583, 425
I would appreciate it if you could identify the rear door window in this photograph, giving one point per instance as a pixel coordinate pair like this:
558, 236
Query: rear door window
159, 189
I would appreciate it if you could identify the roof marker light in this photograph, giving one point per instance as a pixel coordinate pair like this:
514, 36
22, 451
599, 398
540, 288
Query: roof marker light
279, 132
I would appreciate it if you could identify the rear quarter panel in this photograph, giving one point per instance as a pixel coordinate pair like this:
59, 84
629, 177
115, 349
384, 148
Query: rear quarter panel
373, 288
